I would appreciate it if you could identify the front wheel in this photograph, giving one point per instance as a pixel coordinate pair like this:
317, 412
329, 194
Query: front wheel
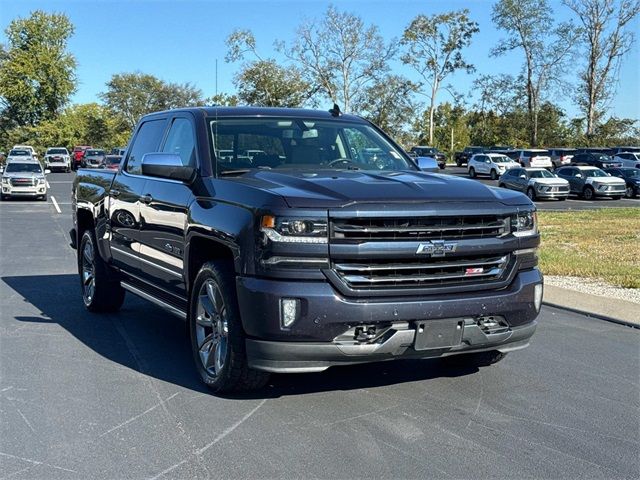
617, 197
472, 172
531, 193
629, 192
217, 337
588, 193
99, 292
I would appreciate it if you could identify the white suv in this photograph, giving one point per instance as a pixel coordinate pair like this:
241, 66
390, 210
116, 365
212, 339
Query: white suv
534, 157
57, 158
492, 164
24, 178
628, 159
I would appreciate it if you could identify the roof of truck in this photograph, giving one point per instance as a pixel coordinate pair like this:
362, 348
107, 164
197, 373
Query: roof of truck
263, 112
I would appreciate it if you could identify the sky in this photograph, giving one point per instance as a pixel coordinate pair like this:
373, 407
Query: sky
181, 40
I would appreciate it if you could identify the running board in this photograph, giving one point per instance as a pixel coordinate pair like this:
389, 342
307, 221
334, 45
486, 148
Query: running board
140, 293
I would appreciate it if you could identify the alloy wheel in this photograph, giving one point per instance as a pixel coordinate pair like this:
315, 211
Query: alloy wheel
211, 328
88, 272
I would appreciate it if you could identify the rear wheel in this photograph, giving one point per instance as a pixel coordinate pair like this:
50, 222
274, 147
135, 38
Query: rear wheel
217, 337
494, 174
588, 193
44, 197
502, 185
99, 292
472, 172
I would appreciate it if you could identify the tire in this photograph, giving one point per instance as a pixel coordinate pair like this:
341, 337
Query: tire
216, 331
629, 192
562, 199
4, 198
441, 166
43, 198
494, 174
502, 185
99, 292
472, 172
531, 193
478, 359
458, 163
588, 193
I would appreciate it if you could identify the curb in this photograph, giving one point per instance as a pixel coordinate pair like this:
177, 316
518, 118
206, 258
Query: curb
593, 315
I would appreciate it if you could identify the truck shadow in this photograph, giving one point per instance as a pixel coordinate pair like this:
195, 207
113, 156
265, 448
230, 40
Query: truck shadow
145, 338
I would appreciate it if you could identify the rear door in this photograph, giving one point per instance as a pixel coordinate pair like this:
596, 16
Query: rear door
164, 213
125, 194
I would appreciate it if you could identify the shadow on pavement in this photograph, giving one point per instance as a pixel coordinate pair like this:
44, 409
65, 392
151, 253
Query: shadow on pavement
145, 338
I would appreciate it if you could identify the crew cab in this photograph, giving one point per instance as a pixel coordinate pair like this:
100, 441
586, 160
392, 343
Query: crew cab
313, 253
463, 157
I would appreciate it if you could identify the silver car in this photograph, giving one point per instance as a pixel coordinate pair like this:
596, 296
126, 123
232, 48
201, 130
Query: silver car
536, 183
24, 178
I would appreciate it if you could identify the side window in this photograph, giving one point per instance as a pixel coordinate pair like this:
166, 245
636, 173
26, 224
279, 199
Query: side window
181, 141
147, 141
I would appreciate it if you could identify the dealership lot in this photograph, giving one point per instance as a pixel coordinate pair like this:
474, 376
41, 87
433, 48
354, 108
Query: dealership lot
115, 396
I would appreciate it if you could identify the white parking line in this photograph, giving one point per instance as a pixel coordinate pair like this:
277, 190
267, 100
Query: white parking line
47, 183
55, 204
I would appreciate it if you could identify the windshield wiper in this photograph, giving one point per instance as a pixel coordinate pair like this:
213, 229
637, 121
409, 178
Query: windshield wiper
234, 172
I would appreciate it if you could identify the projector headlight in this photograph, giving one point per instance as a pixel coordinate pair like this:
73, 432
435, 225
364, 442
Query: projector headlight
524, 224
294, 230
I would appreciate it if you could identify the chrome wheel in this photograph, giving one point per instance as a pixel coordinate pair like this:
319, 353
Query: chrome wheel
88, 272
629, 192
212, 329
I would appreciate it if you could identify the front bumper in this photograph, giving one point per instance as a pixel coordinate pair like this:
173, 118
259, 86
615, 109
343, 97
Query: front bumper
12, 191
610, 193
316, 339
57, 165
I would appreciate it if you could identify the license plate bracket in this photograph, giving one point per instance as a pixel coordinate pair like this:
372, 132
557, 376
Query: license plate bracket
438, 334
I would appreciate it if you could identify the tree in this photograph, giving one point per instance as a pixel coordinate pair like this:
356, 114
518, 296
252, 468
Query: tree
223, 100
607, 40
264, 82
530, 28
133, 95
339, 56
37, 74
435, 47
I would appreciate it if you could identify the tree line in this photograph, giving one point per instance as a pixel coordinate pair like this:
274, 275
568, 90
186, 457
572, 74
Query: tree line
337, 58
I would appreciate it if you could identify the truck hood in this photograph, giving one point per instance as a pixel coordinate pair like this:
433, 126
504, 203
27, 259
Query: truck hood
22, 175
335, 188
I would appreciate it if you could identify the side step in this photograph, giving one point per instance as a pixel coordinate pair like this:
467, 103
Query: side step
142, 294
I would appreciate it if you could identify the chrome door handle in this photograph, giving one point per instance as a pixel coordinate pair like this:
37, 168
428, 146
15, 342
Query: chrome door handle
146, 199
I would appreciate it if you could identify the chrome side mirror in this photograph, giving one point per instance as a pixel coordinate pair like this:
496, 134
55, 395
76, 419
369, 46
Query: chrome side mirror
427, 164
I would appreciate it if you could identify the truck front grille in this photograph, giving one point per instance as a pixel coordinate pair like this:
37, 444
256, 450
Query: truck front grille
22, 182
417, 228
429, 272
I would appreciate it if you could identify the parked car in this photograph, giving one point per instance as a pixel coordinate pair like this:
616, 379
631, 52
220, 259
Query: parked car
536, 183
23, 177
291, 268
93, 158
601, 150
631, 176
599, 160
590, 182
628, 159
433, 152
462, 158
31, 150
616, 150
499, 149
534, 157
492, 164
19, 154
78, 154
561, 156
112, 162
118, 151
57, 158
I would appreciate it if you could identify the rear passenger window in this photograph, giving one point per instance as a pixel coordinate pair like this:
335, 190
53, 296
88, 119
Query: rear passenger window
181, 141
147, 141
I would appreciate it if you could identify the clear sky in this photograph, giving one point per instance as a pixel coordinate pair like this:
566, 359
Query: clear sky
180, 40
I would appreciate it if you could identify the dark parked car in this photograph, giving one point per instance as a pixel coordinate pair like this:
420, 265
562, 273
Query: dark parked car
93, 158
310, 255
536, 183
599, 160
616, 150
631, 176
463, 157
590, 182
112, 161
420, 151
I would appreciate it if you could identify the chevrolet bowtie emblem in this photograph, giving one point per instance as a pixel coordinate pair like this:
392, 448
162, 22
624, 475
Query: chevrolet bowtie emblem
436, 248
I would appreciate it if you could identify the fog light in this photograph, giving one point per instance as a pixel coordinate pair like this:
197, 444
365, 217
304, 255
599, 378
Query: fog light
537, 296
289, 309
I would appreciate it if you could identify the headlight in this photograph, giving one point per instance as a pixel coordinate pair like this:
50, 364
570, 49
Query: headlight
524, 224
41, 181
294, 230
5, 180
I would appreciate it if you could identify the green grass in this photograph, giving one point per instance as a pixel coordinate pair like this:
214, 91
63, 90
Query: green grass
601, 244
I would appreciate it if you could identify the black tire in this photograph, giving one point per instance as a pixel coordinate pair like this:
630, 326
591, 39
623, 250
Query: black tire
502, 185
458, 163
472, 172
494, 174
223, 321
478, 359
4, 198
588, 193
562, 199
629, 193
441, 166
106, 295
43, 197
617, 197
531, 193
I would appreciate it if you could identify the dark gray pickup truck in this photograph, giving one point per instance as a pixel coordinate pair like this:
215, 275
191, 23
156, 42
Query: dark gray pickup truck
288, 248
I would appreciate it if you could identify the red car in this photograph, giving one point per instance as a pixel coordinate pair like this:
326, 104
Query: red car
78, 153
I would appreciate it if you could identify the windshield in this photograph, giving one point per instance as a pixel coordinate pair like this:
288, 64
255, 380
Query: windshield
19, 153
594, 172
24, 167
57, 151
301, 144
113, 160
541, 174
90, 153
542, 153
631, 172
501, 159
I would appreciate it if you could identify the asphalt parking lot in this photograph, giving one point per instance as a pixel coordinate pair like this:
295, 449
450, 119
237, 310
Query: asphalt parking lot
116, 396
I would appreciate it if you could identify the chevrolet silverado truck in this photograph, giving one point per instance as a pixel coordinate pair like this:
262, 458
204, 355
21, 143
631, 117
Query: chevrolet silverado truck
310, 254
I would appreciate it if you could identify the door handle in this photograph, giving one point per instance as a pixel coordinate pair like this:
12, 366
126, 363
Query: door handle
115, 193
146, 199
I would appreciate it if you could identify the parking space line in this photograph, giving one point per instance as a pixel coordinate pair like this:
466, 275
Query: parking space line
55, 204
47, 183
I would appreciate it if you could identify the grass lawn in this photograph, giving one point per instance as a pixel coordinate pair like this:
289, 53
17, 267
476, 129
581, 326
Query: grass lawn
602, 244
